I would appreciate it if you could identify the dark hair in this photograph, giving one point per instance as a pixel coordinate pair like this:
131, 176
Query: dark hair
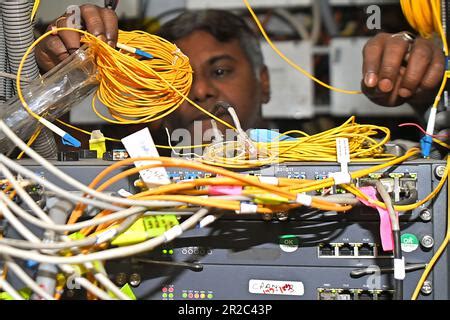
222, 25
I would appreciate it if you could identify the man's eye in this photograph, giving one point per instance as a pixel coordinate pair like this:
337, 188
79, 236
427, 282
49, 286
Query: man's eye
219, 72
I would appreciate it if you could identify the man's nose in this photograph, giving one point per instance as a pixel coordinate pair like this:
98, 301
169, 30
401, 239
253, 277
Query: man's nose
202, 89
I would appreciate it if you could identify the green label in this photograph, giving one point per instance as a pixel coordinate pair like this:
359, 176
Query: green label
409, 242
288, 243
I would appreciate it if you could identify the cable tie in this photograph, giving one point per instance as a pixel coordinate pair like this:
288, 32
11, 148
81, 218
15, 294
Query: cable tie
341, 177
246, 208
173, 233
304, 199
399, 269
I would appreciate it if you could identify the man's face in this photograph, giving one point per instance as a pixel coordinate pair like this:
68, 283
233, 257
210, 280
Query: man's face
222, 72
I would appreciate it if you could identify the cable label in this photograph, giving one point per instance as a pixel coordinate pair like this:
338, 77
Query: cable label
140, 144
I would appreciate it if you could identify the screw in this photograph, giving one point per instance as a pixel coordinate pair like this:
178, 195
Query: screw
121, 279
135, 279
440, 170
426, 215
267, 217
427, 242
427, 288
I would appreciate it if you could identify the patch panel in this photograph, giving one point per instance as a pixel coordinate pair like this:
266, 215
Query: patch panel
353, 294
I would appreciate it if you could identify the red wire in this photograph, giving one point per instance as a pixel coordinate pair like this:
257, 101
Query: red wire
436, 136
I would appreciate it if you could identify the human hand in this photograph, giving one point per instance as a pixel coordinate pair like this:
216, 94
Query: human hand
101, 22
398, 68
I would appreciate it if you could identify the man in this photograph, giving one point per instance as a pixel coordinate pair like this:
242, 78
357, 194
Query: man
228, 65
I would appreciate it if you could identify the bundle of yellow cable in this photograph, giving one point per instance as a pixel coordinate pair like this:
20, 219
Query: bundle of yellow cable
137, 90
363, 147
420, 15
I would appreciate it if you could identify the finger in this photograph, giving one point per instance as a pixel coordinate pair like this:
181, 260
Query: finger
71, 39
394, 53
419, 61
372, 54
53, 52
435, 72
111, 24
92, 18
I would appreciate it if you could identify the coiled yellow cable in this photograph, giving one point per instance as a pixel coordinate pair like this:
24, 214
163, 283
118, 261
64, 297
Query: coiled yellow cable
133, 89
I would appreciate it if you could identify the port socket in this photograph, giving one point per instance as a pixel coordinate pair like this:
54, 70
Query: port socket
326, 250
346, 250
366, 250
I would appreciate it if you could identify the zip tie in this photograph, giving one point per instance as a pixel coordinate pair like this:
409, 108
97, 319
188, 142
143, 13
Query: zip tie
173, 233
304, 199
399, 269
246, 208
269, 180
341, 177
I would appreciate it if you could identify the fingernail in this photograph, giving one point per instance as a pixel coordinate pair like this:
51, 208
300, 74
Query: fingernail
370, 79
386, 85
405, 93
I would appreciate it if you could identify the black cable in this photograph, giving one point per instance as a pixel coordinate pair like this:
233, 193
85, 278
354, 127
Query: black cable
398, 284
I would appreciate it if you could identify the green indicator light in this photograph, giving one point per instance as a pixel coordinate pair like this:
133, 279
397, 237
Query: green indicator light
164, 251
170, 295
170, 251
184, 295
210, 296
164, 295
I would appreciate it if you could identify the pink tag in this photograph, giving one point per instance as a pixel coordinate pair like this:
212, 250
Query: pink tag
387, 240
225, 190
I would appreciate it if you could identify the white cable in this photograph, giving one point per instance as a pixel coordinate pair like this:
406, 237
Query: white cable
101, 276
68, 195
24, 195
71, 181
106, 254
93, 289
10, 290
317, 23
18, 271
72, 227
21, 229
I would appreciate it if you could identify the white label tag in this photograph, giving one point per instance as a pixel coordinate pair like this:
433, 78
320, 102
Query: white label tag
399, 269
247, 208
269, 180
271, 287
343, 153
140, 144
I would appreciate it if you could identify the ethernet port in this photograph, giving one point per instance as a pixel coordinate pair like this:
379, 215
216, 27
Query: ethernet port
366, 250
327, 295
346, 250
384, 295
345, 295
365, 295
326, 250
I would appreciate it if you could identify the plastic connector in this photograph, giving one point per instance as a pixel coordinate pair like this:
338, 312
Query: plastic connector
68, 140
425, 143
